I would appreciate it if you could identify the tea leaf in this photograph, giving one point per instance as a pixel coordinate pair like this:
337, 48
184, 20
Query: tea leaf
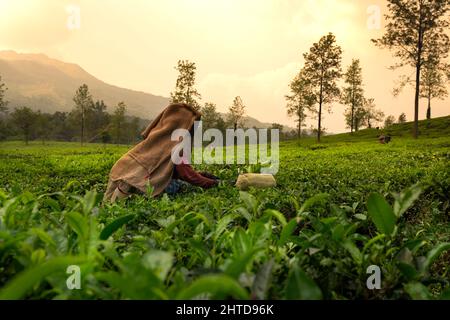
381, 213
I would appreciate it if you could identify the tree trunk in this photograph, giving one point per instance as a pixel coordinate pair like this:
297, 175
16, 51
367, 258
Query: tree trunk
351, 125
299, 129
82, 125
416, 104
418, 66
429, 107
319, 126
353, 110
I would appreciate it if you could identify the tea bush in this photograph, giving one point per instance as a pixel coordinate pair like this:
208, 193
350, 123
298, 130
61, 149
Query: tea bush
336, 210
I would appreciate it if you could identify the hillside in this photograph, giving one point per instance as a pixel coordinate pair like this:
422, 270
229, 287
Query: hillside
47, 84
40, 82
433, 128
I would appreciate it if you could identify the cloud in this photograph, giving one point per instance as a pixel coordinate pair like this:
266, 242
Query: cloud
251, 48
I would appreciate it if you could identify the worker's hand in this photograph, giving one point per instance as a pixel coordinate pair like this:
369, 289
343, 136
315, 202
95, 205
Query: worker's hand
209, 175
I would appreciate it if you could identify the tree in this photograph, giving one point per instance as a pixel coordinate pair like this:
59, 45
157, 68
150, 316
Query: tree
433, 84
3, 102
416, 32
299, 101
61, 127
83, 105
221, 125
43, 126
3, 110
236, 113
184, 89
210, 116
118, 121
105, 137
371, 115
99, 119
133, 130
402, 118
357, 119
24, 119
322, 70
353, 94
390, 120
279, 127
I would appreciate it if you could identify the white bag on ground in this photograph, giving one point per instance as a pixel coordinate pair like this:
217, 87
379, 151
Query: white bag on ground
258, 180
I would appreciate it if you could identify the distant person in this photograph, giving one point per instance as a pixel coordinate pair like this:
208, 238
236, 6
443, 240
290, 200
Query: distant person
384, 139
150, 163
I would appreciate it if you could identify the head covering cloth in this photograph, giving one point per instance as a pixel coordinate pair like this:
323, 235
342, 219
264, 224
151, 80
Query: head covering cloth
149, 162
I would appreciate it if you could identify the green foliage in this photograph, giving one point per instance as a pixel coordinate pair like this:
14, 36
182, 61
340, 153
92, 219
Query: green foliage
301, 287
322, 70
185, 91
381, 213
353, 95
415, 32
236, 113
335, 211
299, 101
25, 119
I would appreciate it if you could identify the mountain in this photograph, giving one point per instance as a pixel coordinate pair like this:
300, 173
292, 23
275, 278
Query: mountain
46, 84
39, 82
250, 122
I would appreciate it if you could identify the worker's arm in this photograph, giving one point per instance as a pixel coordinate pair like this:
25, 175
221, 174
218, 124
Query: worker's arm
186, 173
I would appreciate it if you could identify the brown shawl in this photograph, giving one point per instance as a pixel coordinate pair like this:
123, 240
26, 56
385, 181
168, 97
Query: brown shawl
149, 162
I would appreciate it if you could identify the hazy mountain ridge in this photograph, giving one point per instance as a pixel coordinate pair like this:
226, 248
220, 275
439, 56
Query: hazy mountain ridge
47, 84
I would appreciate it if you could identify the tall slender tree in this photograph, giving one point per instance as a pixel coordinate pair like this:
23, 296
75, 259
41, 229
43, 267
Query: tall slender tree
299, 101
433, 83
3, 110
43, 126
416, 31
99, 119
133, 130
185, 91
236, 113
118, 122
322, 70
25, 119
371, 114
210, 116
3, 102
83, 105
353, 93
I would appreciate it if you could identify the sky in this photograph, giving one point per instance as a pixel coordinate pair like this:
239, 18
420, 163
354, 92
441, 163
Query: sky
246, 48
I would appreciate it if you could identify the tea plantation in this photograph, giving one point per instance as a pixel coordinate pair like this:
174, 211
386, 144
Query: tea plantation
339, 207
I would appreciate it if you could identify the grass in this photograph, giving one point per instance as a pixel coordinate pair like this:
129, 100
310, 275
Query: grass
434, 128
339, 207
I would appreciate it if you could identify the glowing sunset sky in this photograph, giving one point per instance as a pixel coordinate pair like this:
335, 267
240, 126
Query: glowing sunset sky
251, 48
